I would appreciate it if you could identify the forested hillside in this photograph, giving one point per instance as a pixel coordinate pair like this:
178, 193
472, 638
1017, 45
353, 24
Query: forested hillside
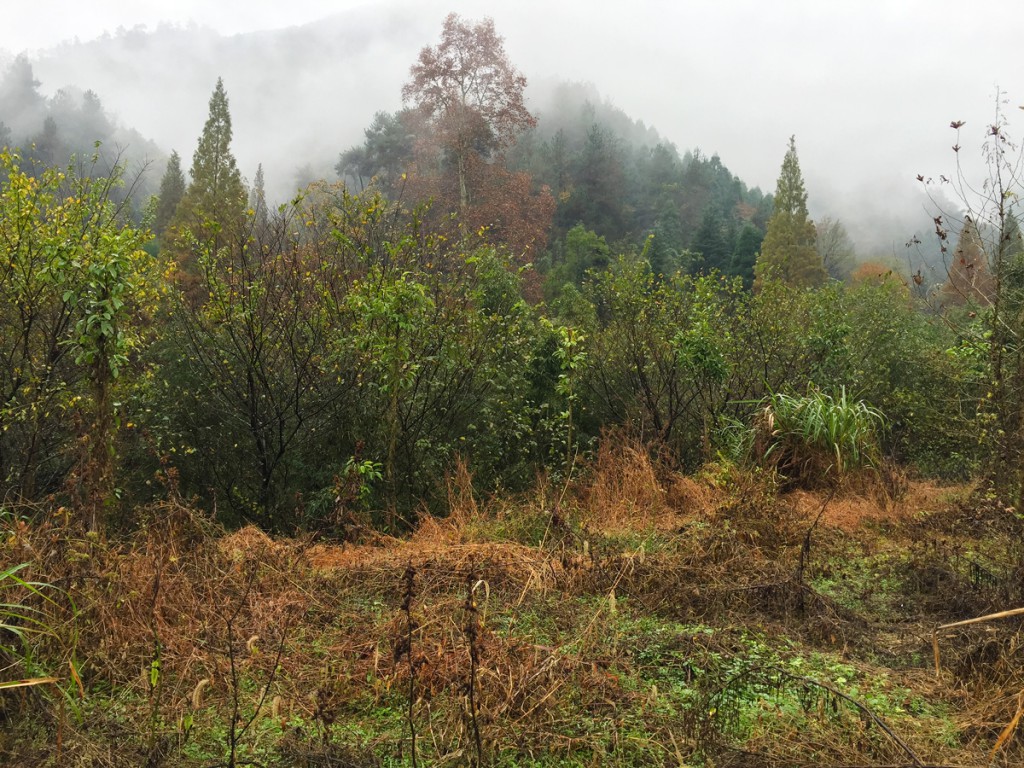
525, 437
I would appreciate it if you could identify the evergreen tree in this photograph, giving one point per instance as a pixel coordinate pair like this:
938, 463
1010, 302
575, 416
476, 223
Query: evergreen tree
215, 201
95, 125
258, 201
46, 145
557, 161
744, 255
664, 251
583, 251
711, 243
763, 212
969, 278
599, 174
789, 252
172, 190
21, 104
384, 155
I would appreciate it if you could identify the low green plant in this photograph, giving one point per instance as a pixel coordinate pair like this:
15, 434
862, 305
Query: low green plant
21, 621
735, 441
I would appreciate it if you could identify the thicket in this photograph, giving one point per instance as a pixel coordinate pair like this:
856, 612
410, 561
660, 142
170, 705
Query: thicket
500, 295
328, 364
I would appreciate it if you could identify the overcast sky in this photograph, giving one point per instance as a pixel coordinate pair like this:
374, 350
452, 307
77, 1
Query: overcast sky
868, 87
45, 23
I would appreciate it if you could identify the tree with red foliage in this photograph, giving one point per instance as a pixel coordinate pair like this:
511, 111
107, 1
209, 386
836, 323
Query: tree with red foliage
467, 99
470, 96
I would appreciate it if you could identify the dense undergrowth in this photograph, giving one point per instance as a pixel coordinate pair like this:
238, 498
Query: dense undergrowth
373, 480
628, 616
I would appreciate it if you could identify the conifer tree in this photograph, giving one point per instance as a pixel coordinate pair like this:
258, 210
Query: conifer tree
172, 190
21, 103
664, 251
710, 241
258, 199
969, 278
95, 125
788, 252
215, 201
744, 255
46, 145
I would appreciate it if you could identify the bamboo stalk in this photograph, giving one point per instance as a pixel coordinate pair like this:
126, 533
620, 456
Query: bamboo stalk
964, 623
987, 617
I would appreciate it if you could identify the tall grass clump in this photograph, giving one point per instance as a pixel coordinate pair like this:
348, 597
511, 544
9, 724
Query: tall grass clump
19, 622
814, 437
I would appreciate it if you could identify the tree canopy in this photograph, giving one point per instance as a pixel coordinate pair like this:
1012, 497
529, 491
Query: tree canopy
469, 93
789, 248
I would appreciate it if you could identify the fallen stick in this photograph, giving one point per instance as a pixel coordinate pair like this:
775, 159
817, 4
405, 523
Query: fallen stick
964, 623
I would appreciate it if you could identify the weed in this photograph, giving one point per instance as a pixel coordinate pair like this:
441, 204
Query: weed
471, 627
816, 436
404, 647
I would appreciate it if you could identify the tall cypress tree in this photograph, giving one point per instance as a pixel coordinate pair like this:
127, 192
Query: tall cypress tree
788, 252
172, 191
969, 278
258, 199
215, 201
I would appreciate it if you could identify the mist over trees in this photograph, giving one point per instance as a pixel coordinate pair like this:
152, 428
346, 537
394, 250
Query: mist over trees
70, 123
481, 265
522, 436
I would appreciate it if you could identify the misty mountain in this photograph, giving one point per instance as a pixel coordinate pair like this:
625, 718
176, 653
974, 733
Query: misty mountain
297, 95
301, 95
73, 124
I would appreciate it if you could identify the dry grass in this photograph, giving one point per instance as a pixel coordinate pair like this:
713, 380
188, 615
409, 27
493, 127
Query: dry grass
855, 506
558, 649
624, 488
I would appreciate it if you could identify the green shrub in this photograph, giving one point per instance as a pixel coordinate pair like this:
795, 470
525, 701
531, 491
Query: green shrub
816, 436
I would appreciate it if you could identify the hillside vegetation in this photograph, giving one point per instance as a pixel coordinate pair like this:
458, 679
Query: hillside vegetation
525, 441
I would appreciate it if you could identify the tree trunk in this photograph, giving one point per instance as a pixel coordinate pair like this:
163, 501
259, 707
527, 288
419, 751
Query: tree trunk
99, 461
463, 190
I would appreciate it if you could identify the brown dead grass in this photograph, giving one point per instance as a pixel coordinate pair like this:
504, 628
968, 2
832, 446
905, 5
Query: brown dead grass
853, 508
509, 565
624, 488
723, 555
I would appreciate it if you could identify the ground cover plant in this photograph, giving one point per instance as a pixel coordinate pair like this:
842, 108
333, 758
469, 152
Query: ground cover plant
629, 616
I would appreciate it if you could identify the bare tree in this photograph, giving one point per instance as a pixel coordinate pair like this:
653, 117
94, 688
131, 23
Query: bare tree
988, 214
835, 248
